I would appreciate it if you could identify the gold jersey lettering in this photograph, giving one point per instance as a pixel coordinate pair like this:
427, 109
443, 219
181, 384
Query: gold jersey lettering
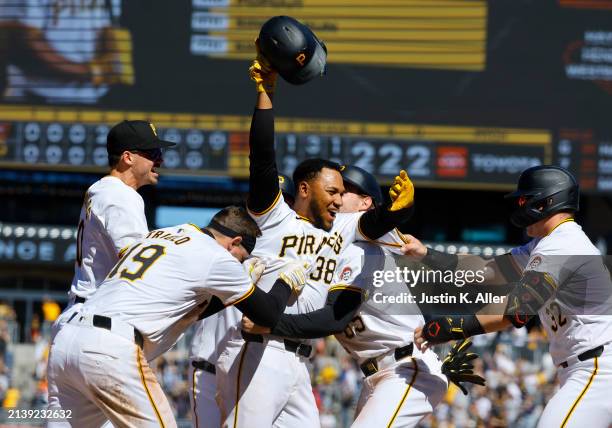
288, 242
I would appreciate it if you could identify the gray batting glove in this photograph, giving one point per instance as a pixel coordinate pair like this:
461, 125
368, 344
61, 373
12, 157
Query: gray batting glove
254, 267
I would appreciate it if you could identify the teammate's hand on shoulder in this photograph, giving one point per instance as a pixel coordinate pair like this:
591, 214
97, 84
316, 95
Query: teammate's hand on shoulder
262, 73
414, 247
249, 326
254, 267
401, 192
295, 274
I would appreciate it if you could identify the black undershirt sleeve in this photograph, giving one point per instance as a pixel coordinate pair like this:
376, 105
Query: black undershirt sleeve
508, 268
263, 174
339, 310
266, 308
375, 223
213, 307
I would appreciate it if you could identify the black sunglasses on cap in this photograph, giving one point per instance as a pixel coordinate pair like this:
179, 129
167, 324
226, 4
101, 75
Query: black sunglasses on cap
154, 155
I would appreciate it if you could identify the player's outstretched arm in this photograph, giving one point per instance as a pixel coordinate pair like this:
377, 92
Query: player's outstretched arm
498, 270
523, 303
263, 173
376, 222
339, 310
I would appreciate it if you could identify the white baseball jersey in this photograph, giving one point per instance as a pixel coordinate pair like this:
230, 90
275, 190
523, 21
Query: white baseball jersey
112, 217
288, 236
165, 280
377, 328
71, 28
211, 332
579, 316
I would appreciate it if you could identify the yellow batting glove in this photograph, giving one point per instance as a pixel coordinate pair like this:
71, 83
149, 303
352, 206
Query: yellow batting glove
266, 67
401, 192
262, 73
264, 81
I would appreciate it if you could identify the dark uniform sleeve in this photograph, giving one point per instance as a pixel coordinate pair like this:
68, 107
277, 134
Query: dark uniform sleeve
263, 174
261, 307
375, 223
266, 308
339, 310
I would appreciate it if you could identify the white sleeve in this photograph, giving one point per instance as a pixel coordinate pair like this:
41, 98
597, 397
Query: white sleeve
274, 214
347, 224
228, 281
521, 255
559, 267
391, 241
124, 223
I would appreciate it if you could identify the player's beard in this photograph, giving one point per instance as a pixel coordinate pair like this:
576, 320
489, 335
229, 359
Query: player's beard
317, 216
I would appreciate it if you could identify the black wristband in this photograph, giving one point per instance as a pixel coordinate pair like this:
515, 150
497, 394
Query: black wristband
439, 260
441, 330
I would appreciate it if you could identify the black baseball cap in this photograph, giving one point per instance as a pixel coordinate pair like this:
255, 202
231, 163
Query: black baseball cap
134, 135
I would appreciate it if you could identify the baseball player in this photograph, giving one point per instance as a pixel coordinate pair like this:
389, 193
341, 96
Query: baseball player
112, 215
312, 231
564, 281
402, 384
208, 338
162, 284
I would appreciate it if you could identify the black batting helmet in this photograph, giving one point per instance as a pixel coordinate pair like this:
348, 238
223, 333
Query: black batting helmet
542, 191
292, 49
363, 180
286, 185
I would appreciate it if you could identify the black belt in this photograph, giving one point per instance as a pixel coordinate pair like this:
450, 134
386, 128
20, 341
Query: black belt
204, 365
587, 355
290, 345
79, 299
369, 367
106, 323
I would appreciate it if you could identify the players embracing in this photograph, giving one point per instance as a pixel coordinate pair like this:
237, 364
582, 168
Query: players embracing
262, 378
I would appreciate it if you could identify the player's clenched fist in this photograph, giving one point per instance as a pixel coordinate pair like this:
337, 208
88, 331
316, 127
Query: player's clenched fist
254, 267
295, 275
249, 326
401, 192
446, 328
262, 73
413, 247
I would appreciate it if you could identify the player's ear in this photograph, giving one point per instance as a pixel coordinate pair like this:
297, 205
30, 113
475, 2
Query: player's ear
127, 158
366, 203
303, 188
235, 242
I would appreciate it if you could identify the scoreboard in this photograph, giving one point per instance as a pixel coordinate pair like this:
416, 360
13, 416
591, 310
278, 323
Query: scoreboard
441, 34
461, 93
447, 156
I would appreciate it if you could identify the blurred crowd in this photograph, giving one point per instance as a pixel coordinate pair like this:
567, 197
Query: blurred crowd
520, 380
7, 320
519, 371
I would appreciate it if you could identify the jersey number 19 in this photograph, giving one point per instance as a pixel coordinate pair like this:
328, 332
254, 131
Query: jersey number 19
143, 260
